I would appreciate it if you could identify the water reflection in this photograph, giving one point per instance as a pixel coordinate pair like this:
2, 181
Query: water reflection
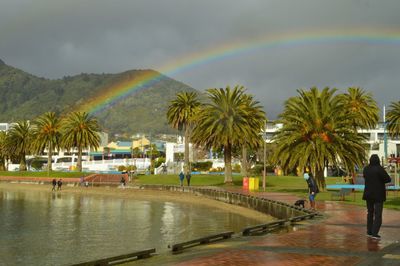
45, 228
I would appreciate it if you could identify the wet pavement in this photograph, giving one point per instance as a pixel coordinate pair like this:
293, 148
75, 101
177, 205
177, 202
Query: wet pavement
336, 238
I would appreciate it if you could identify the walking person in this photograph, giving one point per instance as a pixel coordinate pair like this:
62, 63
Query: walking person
188, 176
123, 182
181, 178
375, 194
54, 183
312, 188
59, 184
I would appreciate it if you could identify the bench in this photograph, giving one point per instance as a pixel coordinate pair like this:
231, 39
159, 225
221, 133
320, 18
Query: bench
342, 193
262, 228
199, 241
119, 259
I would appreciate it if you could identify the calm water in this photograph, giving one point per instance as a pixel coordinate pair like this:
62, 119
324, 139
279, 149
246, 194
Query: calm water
42, 228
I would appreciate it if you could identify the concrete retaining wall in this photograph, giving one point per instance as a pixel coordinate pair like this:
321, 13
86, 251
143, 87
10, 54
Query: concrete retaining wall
274, 208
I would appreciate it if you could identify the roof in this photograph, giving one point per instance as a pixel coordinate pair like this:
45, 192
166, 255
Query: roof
124, 143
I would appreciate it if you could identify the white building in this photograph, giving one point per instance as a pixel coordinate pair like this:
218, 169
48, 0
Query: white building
4, 126
376, 140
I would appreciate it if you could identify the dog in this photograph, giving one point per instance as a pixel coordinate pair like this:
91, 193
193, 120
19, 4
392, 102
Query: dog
300, 203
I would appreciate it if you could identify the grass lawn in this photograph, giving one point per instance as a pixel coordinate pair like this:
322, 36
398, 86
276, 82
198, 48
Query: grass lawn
286, 184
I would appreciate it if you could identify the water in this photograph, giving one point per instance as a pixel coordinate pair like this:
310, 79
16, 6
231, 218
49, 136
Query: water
43, 228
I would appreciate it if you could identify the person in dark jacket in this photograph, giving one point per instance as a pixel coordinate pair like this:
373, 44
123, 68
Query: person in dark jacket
375, 194
59, 184
181, 178
54, 183
312, 188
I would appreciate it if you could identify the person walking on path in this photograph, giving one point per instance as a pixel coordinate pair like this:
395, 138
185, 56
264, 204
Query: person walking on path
375, 194
188, 176
59, 184
312, 189
54, 183
123, 182
181, 178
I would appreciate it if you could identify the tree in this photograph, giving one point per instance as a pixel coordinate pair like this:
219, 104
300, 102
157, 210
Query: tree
256, 119
317, 131
47, 135
393, 119
180, 115
230, 117
361, 107
20, 137
4, 150
80, 131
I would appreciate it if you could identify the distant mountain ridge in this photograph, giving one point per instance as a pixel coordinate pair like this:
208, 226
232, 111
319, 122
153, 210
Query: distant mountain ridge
25, 96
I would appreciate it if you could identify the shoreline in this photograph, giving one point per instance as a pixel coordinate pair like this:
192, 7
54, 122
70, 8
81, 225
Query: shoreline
141, 194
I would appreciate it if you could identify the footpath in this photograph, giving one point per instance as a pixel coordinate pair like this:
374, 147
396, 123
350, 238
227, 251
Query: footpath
338, 238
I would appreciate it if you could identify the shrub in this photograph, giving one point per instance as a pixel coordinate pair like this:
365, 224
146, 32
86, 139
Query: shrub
201, 166
236, 168
159, 161
258, 169
37, 163
121, 168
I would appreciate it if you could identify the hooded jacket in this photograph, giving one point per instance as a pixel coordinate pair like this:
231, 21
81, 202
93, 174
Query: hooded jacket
375, 178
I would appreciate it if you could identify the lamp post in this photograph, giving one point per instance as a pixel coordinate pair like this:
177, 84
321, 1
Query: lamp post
385, 141
265, 156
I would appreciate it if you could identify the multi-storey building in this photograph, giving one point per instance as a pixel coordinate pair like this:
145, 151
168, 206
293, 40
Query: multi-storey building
378, 139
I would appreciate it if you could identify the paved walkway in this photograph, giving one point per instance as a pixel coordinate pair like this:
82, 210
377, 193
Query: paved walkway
339, 238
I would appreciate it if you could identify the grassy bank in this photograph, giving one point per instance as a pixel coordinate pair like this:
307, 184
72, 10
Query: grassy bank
285, 184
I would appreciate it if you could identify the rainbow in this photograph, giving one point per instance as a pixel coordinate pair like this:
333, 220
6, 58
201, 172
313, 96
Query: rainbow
110, 95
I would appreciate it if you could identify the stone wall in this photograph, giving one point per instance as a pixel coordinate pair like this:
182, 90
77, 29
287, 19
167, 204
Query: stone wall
274, 208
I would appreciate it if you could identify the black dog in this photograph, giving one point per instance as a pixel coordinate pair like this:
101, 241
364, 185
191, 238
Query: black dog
300, 203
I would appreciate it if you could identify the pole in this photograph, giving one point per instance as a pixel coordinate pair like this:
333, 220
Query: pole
265, 153
265, 167
385, 134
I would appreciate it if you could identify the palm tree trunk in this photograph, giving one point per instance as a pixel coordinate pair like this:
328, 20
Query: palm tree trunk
79, 163
319, 176
244, 161
22, 162
187, 150
49, 157
2, 164
228, 163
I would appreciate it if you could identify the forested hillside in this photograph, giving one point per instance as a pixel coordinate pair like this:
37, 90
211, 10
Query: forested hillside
25, 96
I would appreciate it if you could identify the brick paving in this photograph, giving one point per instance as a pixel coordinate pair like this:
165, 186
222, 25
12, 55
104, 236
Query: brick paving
339, 238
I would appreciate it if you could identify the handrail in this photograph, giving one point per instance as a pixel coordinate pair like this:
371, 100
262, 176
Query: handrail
119, 259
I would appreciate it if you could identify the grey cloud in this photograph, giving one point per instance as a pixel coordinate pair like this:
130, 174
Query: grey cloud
56, 38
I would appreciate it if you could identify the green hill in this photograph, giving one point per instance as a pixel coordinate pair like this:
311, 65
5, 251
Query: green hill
25, 96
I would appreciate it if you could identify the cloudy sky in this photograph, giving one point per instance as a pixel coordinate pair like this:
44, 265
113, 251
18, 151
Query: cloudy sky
272, 48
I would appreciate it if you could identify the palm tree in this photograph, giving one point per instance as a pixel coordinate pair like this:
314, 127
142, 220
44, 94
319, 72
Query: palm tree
180, 115
229, 119
80, 131
4, 150
317, 131
362, 107
257, 119
47, 135
20, 137
393, 119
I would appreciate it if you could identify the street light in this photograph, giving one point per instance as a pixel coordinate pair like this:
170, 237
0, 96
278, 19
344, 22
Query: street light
264, 136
